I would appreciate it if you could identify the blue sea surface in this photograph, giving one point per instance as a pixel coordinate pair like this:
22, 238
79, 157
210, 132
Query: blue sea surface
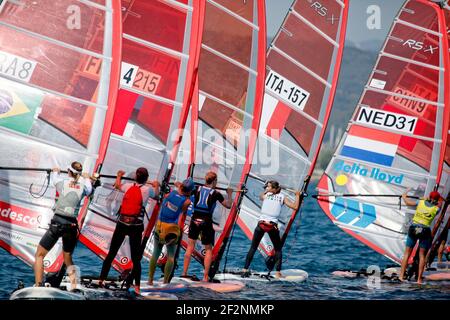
315, 245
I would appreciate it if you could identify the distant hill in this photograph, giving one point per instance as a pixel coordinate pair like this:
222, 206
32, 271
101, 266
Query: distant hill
357, 63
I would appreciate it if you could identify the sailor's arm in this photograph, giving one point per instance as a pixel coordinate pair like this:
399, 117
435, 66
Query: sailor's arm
56, 176
262, 195
407, 201
181, 221
87, 183
229, 201
293, 205
118, 183
155, 185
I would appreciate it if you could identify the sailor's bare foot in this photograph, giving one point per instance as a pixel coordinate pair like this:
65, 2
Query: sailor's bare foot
419, 281
278, 275
150, 282
205, 279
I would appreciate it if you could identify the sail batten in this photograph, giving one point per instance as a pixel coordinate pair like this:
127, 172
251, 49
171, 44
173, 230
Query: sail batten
68, 71
157, 72
405, 145
305, 54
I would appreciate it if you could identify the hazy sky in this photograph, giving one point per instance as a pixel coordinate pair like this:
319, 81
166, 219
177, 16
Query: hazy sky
356, 30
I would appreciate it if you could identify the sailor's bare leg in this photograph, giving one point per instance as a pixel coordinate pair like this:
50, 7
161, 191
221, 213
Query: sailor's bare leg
187, 256
39, 264
405, 262
441, 251
422, 254
71, 271
208, 259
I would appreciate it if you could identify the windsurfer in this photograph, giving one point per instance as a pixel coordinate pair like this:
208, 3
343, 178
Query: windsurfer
130, 222
201, 223
273, 201
168, 228
426, 211
71, 191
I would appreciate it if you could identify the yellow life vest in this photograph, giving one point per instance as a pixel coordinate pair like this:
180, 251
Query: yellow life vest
425, 214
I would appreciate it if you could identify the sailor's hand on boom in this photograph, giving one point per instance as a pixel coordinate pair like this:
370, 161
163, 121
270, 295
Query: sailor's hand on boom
154, 183
120, 173
230, 192
407, 201
56, 169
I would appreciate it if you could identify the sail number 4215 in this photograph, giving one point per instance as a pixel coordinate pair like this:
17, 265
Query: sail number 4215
286, 90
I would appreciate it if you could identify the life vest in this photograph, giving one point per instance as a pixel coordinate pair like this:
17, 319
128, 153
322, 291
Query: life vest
69, 195
425, 214
201, 206
132, 202
172, 207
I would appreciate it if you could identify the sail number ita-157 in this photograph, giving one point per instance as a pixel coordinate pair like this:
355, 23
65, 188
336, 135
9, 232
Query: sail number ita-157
286, 90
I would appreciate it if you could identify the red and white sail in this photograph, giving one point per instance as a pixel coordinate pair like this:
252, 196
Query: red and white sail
226, 107
398, 135
59, 72
159, 61
303, 64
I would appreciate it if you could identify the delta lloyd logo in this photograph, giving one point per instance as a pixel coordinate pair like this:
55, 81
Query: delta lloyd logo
231, 149
372, 173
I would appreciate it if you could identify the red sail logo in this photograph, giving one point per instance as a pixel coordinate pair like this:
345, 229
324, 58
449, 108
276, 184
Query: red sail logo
19, 216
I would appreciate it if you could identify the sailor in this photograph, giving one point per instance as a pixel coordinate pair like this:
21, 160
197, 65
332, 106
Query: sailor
273, 201
201, 224
71, 191
130, 222
426, 211
168, 228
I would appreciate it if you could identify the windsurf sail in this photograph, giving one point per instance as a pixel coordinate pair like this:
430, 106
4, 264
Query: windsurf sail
397, 137
161, 42
226, 107
59, 72
303, 64
443, 221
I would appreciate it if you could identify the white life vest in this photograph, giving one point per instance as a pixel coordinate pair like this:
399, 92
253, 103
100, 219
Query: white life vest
271, 207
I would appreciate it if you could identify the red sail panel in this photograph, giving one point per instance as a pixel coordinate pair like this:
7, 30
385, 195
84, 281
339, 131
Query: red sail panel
303, 64
59, 86
159, 59
230, 86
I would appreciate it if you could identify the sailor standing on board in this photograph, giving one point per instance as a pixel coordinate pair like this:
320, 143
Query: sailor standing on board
64, 224
426, 211
168, 228
130, 223
273, 201
206, 198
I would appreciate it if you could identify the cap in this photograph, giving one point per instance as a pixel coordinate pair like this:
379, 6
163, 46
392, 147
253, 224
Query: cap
188, 184
434, 195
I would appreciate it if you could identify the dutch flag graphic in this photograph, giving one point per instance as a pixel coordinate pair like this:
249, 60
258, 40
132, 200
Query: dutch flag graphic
371, 145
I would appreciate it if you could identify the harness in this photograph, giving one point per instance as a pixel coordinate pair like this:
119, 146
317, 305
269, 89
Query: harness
267, 226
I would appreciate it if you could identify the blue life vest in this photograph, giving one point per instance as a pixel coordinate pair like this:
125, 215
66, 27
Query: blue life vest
201, 206
190, 209
172, 207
